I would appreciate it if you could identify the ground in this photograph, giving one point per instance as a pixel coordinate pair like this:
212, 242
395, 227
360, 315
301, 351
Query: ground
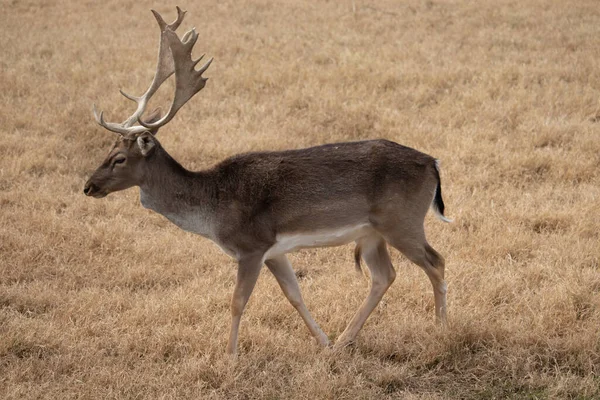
105, 299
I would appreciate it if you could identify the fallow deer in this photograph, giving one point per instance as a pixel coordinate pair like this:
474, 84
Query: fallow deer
259, 206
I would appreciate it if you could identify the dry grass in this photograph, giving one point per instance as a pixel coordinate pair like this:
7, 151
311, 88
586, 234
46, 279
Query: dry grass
104, 299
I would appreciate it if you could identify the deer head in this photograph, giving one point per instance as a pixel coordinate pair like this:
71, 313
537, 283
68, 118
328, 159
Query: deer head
126, 163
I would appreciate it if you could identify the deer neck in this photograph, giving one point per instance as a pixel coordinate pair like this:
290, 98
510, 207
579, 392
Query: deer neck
185, 198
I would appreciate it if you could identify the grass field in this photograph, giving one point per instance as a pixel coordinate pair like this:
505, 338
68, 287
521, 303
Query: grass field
105, 299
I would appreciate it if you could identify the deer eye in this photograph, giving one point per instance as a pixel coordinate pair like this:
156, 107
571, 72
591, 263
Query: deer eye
119, 160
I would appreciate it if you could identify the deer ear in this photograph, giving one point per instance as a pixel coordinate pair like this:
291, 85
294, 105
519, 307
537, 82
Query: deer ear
146, 143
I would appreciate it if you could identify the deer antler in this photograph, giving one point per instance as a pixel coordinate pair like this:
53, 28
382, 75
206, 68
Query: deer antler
174, 55
188, 80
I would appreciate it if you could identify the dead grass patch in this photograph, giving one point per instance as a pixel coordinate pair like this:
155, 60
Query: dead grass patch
103, 299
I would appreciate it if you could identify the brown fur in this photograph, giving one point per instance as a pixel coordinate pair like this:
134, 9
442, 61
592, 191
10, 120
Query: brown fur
246, 201
262, 194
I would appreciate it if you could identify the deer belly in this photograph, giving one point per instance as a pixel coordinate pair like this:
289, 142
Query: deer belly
288, 242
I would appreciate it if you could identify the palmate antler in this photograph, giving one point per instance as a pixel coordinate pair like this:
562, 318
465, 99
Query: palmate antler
174, 55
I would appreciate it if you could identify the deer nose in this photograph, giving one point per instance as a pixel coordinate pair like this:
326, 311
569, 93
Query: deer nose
89, 189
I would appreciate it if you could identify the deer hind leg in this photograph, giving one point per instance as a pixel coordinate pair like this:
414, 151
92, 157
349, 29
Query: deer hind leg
415, 247
377, 258
283, 272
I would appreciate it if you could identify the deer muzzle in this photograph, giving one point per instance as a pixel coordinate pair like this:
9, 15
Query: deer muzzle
92, 190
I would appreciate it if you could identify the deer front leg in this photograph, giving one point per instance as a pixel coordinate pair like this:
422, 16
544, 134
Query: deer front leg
282, 270
248, 271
